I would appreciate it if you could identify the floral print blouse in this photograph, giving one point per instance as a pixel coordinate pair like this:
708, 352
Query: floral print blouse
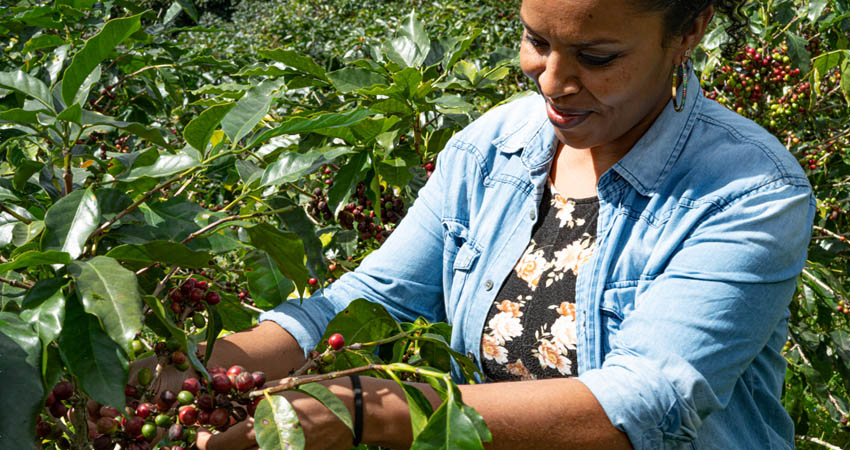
530, 331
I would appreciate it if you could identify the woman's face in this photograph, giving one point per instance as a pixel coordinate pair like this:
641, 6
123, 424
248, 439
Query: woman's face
604, 68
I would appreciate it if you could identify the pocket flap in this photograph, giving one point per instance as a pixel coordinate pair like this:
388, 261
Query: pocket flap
466, 256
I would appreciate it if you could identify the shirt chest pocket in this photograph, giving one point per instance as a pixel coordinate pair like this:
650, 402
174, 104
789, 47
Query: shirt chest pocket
617, 303
463, 254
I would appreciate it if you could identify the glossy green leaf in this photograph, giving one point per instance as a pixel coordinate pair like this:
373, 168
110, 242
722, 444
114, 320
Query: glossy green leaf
101, 366
395, 172
346, 179
317, 122
166, 164
234, 316
350, 79
268, 286
200, 129
20, 116
419, 406
331, 401
28, 85
85, 89
362, 321
163, 252
41, 42
285, 248
20, 376
148, 133
248, 111
297, 61
73, 114
44, 308
96, 49
276, 425
77, 4
70, 221
110, 292
23, 233
411, 47
189, 7
296, 220
36, 258
816, 8
449, 428
292, 166
800, 57
845, 78
214, 327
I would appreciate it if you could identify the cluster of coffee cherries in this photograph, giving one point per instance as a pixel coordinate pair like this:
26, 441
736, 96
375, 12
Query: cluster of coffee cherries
217, 404
322, 361
189, 299
843, 307
56, 405
359, 214
753, 84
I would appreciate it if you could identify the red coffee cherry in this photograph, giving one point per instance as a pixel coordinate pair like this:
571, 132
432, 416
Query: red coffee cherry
63, 390
107, 425
144, 410
133, 426
192, 385
244, 382
219, 418
235, 370
259, 379
188, 415
336, 341
212, 298
221, 383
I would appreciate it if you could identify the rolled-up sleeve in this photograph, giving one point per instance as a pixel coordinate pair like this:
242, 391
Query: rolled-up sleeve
702, 320
404, 274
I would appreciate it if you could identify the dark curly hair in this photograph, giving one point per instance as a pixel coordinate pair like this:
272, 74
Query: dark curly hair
680, 14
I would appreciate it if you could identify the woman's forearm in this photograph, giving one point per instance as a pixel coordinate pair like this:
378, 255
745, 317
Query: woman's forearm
266, 347
556, 413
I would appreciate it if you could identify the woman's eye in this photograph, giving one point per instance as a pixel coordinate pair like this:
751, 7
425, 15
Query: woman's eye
594, 60
536, 43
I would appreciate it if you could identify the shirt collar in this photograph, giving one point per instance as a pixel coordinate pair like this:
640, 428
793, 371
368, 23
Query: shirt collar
644, 166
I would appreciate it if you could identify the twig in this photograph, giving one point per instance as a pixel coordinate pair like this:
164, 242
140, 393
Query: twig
68, 176
818, 441
8, 210
16, 283
135, 205
809, 363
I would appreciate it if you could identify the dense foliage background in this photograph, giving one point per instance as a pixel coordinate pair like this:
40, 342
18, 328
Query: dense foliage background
143, 144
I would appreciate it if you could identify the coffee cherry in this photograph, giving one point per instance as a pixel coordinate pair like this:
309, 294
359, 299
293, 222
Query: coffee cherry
219, 418
188, 414
102, 443
196, 295
182, 367
42, 429
107, 425
50, 400
166, 399
108, 411
175, 432
212, 298
187, 286
144, 410
259, 379
202, 285
312, 281
93, 409
336, 341
131, 391
149, 431
185, 398
329, 358
235, 370
133, 426
205, 402
244, 382
239, 413
176, 308
221, 383
178, 358
203, 417
162, 420
192, 385
63, 390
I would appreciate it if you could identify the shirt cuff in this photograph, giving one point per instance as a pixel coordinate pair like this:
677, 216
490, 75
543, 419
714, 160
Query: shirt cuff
305, 321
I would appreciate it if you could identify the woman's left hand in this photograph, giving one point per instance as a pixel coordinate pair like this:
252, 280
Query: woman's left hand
322, 429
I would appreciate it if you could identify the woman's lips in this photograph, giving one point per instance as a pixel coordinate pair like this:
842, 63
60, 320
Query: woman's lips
565, 118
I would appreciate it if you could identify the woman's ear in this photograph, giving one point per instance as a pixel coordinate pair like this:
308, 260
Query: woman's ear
692, 37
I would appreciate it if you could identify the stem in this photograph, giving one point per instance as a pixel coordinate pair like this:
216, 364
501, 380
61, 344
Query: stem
68, 177
818, 441
232, 218
7, 210
17, 284
136, 204
809, 363
78, 419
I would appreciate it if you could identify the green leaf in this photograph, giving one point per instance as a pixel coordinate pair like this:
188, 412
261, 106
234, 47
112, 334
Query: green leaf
816, 8
845, 78
151, 134
297, 61
22, 233
346, 179
36, 258
214, 327
234, 316
449, 427
166, 164
199, 131
411, 47
96, 49
276, 425
317, 122
164, 252
20, 376
100, 365
41, 42
362, 321
110, 292
44, 308
800, 57
189, 7
70, 221
292, 166
267, 284
20, 116
420, 408
350, 79
395, 172
248, 111
296, 220
286, 250
28, 85
331, 401
73, 113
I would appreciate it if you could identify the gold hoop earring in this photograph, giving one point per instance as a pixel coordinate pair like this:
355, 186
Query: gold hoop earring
681, 72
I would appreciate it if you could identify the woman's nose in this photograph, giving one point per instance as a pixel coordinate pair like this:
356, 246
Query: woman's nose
559, 76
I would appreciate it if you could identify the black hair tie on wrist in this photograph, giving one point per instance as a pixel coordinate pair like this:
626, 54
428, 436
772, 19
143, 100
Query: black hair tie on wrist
358, 408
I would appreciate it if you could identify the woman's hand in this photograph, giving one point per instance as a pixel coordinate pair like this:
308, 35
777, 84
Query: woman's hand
322, 429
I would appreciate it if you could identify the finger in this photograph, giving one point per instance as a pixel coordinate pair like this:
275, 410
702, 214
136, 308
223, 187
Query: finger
238, 437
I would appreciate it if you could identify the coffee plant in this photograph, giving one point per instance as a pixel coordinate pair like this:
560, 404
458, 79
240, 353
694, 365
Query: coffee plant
168, 170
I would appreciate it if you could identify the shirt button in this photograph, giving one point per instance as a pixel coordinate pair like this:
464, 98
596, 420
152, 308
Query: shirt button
488, 285
531, 215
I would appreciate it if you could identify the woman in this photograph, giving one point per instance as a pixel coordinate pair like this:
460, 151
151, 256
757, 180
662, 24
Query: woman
693, 226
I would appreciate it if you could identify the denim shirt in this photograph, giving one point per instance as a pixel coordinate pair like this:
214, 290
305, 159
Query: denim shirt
682, 310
